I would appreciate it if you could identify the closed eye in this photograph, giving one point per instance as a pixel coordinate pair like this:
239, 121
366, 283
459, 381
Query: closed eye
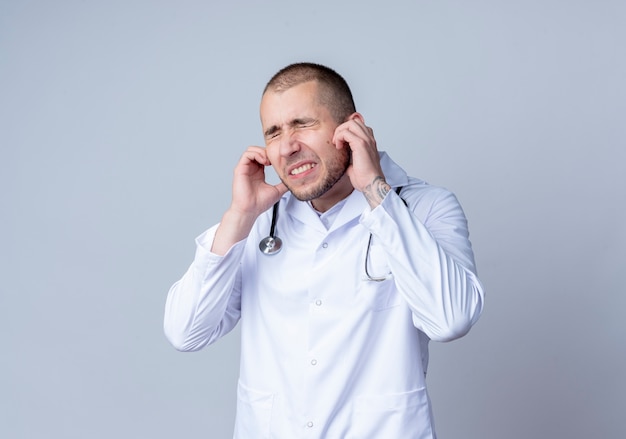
272, 132
303, 123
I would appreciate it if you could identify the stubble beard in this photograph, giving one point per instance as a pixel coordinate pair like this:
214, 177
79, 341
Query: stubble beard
336, 168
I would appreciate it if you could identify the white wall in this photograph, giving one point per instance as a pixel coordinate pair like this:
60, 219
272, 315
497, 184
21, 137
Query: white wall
121, 121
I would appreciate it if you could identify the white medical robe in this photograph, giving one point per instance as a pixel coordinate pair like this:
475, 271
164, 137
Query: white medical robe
325, 352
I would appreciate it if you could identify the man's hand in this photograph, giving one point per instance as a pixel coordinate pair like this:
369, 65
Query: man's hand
365, 172
252, 195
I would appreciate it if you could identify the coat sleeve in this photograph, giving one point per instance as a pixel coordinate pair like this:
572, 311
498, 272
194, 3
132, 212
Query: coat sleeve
205, 304
431, 259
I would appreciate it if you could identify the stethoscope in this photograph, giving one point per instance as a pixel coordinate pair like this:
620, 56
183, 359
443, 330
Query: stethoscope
272, 244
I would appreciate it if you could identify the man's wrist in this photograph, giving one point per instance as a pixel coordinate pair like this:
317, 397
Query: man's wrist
234, 227
376, 191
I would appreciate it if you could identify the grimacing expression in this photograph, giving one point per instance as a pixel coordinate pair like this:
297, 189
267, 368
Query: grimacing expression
298, 133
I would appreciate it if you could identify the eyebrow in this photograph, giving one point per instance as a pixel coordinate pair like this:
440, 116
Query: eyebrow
294, 122
271, 130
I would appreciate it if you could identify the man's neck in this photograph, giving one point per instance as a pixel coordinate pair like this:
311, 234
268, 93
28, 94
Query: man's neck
334, 195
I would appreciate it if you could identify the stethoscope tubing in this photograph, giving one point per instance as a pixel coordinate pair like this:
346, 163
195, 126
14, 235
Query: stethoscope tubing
271, 245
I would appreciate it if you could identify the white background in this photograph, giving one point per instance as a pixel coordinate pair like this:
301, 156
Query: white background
121, 122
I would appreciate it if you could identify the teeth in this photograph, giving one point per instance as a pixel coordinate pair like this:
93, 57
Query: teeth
302, 168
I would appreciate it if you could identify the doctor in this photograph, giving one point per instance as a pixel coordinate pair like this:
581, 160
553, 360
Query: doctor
366, 265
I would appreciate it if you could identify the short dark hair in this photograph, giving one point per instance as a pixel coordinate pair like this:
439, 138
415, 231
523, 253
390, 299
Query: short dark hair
334, 92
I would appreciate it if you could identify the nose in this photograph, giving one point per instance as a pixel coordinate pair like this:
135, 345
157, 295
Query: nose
289, 143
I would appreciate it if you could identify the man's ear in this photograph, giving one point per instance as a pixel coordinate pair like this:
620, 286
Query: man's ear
356, 116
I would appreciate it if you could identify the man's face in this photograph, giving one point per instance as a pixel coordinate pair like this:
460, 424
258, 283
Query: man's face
298, 134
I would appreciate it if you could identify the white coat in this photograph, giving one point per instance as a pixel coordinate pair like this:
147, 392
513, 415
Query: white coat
325, 352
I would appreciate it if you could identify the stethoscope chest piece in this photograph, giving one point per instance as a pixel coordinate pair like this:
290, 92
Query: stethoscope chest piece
270, 245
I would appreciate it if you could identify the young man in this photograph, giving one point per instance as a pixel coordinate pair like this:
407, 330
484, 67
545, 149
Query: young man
336, 321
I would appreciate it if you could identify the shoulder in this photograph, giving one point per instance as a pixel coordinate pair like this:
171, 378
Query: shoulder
430, 202
421, 191
422, 197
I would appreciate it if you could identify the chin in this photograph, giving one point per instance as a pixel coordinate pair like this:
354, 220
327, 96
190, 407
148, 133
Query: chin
311, 193
335, 171
303, 195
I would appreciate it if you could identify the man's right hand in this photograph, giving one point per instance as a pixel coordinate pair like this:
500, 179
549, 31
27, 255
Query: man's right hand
252, 195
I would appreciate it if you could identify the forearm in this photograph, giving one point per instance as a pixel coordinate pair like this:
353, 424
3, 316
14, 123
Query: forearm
204, 304
376, 191
433, 266
233, 228
446, 298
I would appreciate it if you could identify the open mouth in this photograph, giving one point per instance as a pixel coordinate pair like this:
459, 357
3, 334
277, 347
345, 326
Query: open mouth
302, 169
